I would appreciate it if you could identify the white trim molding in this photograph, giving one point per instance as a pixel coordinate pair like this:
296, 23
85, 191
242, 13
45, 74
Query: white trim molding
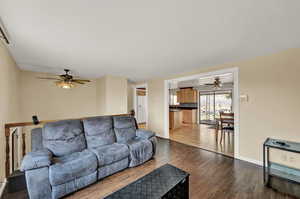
135, 97
161, 136
259, 163
166, 109
3, 184
236, 101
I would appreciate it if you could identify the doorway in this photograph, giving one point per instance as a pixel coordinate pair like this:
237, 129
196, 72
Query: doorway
210, 104
141, 105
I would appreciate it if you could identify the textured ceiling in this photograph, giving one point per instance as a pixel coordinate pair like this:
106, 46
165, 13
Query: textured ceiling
145, 39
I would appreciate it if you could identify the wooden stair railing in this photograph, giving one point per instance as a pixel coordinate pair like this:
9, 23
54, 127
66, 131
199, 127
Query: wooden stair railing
7, 132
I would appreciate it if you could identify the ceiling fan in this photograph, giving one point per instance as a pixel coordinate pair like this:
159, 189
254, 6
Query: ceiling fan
66, 80
216, 84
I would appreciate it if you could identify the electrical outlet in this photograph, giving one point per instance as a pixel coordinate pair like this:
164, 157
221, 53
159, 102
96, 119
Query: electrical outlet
244, 98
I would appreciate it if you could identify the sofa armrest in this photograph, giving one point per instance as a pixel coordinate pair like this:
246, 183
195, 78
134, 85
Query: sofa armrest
36, 159
145, 134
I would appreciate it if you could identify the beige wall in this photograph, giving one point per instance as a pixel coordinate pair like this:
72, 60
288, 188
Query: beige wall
272, 83
44, 99
116, 95
9, 97
112, 95
101, 95
104, 96
156, 106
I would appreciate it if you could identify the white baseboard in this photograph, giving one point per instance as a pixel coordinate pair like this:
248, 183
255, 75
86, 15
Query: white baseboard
2, 187
250, 160
160, 136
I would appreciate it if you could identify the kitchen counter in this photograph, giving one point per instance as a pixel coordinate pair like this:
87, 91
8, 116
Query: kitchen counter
172, 107
181, 115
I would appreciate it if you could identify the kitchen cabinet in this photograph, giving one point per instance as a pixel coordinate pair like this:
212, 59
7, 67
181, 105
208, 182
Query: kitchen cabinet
187, 95
189, 116
175, 118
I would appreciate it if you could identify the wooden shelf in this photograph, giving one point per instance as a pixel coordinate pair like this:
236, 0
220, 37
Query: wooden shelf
284, 172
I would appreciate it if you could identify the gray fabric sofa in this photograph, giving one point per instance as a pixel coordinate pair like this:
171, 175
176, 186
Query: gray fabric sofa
71, 154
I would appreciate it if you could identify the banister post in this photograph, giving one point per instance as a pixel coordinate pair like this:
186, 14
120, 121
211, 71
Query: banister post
24, 144
132, 113
7, 160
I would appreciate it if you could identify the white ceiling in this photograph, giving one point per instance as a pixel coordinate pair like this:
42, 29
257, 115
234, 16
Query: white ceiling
143, 39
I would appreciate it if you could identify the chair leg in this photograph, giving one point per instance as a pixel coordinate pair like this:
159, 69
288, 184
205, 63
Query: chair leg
217, 132
229, 137
221, 136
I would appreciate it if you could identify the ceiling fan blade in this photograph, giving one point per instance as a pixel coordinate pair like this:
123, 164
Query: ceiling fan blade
49, 78
82, 80
78, 82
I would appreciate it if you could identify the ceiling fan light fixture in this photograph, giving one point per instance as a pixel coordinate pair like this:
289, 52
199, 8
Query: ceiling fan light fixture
65, 85
66, 81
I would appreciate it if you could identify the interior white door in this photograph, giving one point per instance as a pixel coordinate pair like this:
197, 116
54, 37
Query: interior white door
141, 109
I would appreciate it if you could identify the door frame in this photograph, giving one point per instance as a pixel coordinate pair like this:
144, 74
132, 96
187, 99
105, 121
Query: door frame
235, 98
145, 85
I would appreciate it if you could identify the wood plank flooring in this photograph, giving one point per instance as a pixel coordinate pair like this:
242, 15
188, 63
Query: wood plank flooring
212, 175
203, 137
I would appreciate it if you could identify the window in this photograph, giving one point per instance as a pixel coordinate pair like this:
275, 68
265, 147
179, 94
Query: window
212, 103
173, 98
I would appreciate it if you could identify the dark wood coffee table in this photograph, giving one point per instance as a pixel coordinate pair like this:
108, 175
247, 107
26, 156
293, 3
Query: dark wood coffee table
165, 182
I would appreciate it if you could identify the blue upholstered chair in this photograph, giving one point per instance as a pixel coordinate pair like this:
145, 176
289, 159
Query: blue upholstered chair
71, 154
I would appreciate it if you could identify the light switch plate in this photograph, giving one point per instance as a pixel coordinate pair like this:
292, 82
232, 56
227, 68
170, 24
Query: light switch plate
244, 98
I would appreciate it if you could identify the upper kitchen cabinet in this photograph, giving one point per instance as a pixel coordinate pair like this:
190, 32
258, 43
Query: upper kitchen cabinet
187, 95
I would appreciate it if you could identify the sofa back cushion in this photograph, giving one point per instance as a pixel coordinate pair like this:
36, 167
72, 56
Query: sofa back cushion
64, 137
125, 128
99, 131
36, 139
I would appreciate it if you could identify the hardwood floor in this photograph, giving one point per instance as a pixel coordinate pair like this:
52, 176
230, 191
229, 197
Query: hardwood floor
211, 175
203, 137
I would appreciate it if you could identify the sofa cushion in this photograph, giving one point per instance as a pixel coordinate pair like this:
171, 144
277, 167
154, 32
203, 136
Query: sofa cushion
140, 150
109, 154
64, 137
72, 167
99, 131
112, 168
125, 128
36, 139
